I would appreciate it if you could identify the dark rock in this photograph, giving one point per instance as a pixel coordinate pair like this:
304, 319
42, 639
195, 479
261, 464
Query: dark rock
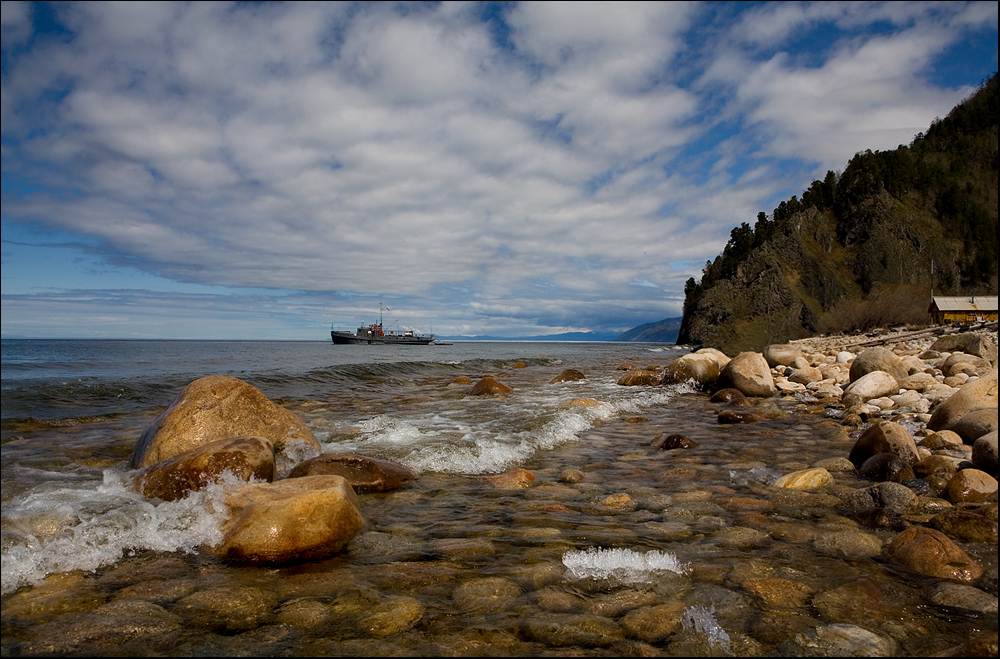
884, 437
886, 467
739, 416
984, 453
365, 474
568, 375
729, 395
969, 522
666, 442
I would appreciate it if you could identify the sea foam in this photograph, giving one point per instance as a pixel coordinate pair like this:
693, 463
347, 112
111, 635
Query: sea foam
97, 526
622, 565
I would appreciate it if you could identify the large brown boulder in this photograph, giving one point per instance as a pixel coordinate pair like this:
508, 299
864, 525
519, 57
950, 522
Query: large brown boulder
749, 372
640, 377
984, 452
365, 474
884, 437
296, 519
878, 359
932, 553
971, 485
782, 354
704, 369
490, 386
969, 343
220, 407
173, 478
981, 394
975, 424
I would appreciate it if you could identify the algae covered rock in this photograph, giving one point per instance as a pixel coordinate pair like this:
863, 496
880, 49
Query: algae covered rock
218, 407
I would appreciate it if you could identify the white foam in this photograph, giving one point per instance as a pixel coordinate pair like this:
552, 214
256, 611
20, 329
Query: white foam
701, 620
385, 429
623, 565
99, 525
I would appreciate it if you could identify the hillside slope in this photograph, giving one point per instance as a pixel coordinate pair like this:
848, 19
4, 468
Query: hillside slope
662, 331
864, 247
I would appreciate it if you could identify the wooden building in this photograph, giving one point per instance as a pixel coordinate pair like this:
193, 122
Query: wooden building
963, 309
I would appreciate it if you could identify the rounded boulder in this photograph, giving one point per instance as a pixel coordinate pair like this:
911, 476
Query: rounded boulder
365, 474
219, 407
174, 478
932, 553
981, 394
704, 369
878, 359
884, 437
749, 372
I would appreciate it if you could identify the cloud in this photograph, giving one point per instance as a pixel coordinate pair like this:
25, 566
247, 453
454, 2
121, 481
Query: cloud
532, 167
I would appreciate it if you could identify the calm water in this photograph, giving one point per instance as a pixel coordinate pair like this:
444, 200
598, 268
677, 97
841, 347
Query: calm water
89, 567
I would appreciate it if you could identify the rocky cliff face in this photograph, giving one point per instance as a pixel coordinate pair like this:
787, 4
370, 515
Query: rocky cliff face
862, 248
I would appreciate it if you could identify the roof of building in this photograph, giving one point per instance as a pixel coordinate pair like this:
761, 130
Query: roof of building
965, 303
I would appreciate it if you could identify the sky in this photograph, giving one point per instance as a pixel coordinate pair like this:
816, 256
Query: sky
262, 170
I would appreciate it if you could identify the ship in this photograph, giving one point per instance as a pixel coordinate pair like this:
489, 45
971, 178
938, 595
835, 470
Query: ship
374, 335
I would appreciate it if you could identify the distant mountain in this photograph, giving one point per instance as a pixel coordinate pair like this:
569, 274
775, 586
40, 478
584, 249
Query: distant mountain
660, 331
863, 248
663, 331
567, 336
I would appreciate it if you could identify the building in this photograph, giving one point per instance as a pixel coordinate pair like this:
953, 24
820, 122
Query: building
963, 309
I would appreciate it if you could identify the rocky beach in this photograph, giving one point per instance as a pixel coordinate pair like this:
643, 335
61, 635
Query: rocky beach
820, 498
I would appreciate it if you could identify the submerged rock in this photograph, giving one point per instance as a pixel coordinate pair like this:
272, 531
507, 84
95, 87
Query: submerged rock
930, 552
640, 377
839, 640
572, 630
303, 518
219, 407
738, 416
568, 375
666, 442
485, 595
489, 386
392, 616
174, 478
365, 474
230, 608
729, 395
512, 479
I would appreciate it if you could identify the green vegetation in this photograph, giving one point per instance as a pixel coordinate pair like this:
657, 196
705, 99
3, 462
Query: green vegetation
862, 248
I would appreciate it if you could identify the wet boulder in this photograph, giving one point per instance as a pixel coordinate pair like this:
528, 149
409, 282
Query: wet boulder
886, 467
365, 474
305, 518
805, 479
175, 477
981, 394
730, 395
749, 372
971, 485
641, 377
933, 554
490, 386
219, 407
703, 369
568, 375
878, 359
884, 437
666, 442
512, 479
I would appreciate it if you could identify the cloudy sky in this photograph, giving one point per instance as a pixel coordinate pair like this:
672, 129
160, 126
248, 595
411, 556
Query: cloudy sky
220, 170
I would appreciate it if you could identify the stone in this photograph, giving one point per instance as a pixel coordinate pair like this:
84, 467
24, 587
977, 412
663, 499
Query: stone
886, 467
741, 537
568, 375
571, 475
489, 386
462, 379
365, 474
392, 616
666, 442
653, 623
893, 499
975, 424
719, 356
729, 395
870, 385
839, 640
964, 598
177, 476
219, 407
782, 354
749, 372
968, 522
305, 518
738, 416
304, 613
848, 543
845, 357
842, 465
778, 593
806, 375
933, 554
703, 369
231, 608
984, 452
942, 439
937, 464
878, 359
805, 479
486, 595
517, 478
971, 485
158, 591
640, 377
970, 343
59, 593
884, 437
562, 630
981, 394
919, 382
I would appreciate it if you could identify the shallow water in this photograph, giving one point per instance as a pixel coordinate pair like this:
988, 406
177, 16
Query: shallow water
450, 565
